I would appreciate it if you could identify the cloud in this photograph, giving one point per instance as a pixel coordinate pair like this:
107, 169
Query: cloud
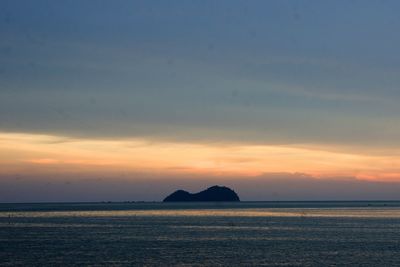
264, 78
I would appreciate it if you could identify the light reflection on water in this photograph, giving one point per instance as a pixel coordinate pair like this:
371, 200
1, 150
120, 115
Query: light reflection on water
164, 235
259, 212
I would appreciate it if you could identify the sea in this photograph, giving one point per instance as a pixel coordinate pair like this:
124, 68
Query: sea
360, 233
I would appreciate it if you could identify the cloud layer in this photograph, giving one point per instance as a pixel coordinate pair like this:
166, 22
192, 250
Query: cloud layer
261, 72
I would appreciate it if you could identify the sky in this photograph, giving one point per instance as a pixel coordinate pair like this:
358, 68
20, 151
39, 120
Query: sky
130, 100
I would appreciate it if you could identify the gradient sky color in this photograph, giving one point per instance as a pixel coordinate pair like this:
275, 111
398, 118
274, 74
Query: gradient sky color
101, 99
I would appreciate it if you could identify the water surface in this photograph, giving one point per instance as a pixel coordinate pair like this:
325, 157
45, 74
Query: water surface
200, 234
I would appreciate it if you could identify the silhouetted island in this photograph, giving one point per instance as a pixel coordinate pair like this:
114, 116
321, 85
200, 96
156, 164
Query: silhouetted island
214, 193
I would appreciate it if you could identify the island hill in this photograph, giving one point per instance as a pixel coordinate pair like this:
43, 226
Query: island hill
214, 193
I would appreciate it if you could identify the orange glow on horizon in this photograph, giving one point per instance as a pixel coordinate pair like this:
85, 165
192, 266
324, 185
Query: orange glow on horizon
41, 153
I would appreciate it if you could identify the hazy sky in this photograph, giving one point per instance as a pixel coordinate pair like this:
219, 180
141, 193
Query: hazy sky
253, 94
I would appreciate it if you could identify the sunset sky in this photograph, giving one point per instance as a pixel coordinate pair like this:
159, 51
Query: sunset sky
130, 100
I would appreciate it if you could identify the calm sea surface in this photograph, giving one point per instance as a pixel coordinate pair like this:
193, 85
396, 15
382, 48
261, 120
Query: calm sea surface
201, 234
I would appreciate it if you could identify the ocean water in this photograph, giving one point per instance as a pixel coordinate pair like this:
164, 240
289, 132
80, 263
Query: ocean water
201, 234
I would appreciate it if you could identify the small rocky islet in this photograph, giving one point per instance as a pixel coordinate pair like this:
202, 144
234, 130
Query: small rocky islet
214, 193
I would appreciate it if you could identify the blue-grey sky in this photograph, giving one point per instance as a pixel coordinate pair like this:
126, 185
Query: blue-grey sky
203, 89
248, 71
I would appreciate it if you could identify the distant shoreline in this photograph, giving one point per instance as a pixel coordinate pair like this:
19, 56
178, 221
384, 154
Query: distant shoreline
145, 202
